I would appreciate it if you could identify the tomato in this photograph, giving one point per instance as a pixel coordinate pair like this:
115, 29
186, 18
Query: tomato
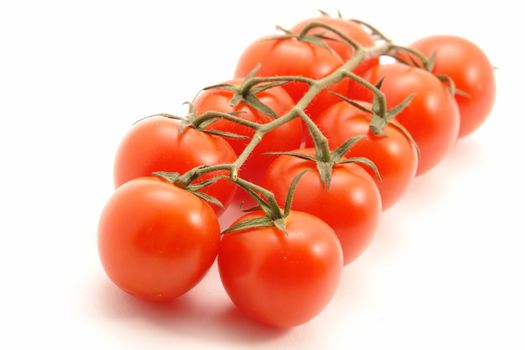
281, 279
393, 154
290, 56
351, 206
284, 138
155, 144
352, 30
156, 241
432, 118
471, 72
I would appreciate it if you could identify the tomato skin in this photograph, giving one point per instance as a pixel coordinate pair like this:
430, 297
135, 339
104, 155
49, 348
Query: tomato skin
432, 118
155, 144
156, 241
351, 206
471, 71
290, 56
278, 279
345, 51
393, 154
284, 138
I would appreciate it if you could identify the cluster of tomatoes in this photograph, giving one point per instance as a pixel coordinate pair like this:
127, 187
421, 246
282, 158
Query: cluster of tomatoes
319, 197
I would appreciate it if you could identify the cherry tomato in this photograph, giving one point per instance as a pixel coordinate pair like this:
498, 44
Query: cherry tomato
344, 50
471, 72
284, 138
432, 118
155, 144
281, 279
289, 56
156, 241
351, 206
393, 154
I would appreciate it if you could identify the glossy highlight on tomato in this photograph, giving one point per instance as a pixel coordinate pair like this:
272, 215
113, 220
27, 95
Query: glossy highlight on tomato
156, 144
156, 241
279, 279
351, 206
393, 153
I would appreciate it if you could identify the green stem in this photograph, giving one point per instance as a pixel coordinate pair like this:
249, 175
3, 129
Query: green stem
257, 137
316, 86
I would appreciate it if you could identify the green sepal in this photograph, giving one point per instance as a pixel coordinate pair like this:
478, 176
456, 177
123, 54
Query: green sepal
230, 135
262, 87
340, 151
174, 178
169, 176
351, 102
222, 86
285, 31
254, 102
250, 209
199, 186
281, 225
431, 62
293, 154
414, 63
325, 172
265, 207
377, 124
392, 113
365, 161
208, 198
262, 221
291, 192
316, 40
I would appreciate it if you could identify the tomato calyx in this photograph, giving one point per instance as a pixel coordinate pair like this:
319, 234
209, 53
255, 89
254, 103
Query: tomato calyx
415, 57
201, 121
273, 214
184, 182
380, 115
325, 165
247, 91
419, 60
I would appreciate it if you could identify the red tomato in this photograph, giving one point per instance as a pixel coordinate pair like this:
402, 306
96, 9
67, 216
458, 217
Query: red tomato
351, 206
155, 144
392, 153
471, 72
156, 241
352, 30
432, 118
284, 138
281, 279
293, 57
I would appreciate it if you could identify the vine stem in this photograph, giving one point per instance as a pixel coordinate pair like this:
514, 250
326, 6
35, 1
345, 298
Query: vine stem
315, 87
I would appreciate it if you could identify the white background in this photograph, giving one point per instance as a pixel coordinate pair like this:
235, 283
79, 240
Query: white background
444, 271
